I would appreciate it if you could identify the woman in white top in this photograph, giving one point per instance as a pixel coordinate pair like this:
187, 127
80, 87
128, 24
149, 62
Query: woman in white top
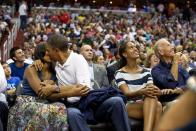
3, 102
136, 83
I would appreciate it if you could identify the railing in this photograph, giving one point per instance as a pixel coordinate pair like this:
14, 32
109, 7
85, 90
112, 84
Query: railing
86, 10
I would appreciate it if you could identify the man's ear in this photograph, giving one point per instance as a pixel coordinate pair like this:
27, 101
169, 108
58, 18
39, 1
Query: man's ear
160, 52
14, 58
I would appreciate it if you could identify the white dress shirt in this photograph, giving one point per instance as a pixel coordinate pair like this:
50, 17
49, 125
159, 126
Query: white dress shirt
74, 71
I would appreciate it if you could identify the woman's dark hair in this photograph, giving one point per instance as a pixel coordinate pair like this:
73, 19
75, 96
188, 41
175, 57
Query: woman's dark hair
40, 51
122, 49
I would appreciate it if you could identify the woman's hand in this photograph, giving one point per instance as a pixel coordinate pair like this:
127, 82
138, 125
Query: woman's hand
151, 91
46, 90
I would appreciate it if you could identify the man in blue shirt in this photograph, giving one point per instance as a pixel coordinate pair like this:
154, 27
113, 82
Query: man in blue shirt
168, 75
18, 66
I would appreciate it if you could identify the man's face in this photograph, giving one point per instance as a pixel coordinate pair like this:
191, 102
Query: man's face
87, 52
19, 55
166, 49
7, 70
51, 53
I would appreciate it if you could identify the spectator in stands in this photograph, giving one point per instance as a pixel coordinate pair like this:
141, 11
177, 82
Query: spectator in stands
168, 75
184, 62
3, 102
98, 73
193, 59
74, 80
18, 66
34, 110
137, 85
12, 82
151, 60
99, 59
23, 15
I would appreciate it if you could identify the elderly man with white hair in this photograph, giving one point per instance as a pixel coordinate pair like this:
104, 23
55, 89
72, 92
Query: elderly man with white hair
168, 75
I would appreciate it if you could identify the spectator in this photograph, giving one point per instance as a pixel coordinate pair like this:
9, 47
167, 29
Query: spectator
168, 75
100, 60
151, 60
137, 85
18, 67
12, 82
193, 59
184, 62
23, 15
98, 73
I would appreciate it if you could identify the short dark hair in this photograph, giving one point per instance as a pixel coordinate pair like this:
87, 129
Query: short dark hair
58, 41
13, 52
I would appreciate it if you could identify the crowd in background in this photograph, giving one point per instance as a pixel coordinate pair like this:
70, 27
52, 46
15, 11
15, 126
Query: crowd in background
106, 37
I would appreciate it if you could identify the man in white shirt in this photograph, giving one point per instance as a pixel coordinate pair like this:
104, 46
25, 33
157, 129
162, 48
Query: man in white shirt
74, 81
23, 15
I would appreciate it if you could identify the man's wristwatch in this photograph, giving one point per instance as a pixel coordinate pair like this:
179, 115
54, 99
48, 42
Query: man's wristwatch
191, 83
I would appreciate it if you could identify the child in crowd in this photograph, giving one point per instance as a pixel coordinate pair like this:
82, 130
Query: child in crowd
12, 82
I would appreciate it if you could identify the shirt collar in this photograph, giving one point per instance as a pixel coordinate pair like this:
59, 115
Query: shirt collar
164, 64
67, 62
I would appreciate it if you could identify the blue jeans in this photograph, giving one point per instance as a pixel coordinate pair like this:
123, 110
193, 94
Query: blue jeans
112, 109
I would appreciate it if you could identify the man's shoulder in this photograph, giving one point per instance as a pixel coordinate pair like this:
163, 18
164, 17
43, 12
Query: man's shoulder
158, 67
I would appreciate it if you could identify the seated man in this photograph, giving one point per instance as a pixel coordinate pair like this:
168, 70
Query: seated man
168, 75
97, 72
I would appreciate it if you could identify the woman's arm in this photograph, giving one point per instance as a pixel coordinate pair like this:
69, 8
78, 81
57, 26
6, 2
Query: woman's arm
35, 82
129, 94
149, 91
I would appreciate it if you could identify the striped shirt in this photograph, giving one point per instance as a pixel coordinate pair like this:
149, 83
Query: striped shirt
135, 81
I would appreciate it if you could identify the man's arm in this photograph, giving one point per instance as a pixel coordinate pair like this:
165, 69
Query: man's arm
70, 91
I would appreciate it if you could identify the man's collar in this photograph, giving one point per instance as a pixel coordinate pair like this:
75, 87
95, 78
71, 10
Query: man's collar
167, 65
67, 62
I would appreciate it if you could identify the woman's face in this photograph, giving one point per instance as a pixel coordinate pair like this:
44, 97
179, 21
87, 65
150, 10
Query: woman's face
47, 57
131, 51
101, 60
154, 60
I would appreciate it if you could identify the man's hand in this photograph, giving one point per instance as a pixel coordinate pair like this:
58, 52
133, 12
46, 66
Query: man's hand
167, 91
38, 65
178, 91
79, 90
176, 57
